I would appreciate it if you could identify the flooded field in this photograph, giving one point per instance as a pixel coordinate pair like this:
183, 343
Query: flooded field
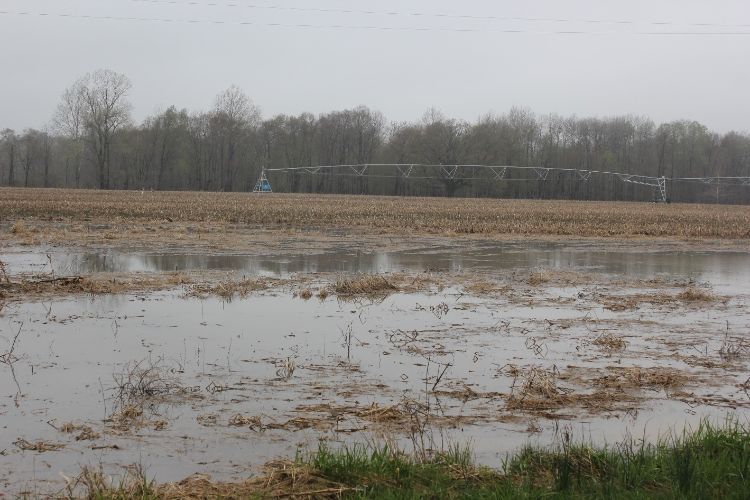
239, 359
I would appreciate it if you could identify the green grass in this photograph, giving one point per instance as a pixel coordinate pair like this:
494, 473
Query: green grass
712, 462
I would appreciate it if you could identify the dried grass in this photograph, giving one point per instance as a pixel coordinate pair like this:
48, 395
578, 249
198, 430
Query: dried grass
610, 341
536, 390
94, 483
142, 380
280, 479
399, 413
19, 227
127, 417
693, 294
642, 378
85, 433
253, 422
207, 420
368, 284
286, 369
4, 273
40, 446
228, 289
630, 302
538, 278
733, 348
375, 214
480, 288
46, 285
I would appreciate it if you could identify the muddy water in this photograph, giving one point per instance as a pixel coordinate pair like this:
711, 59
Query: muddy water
71, 352
722, 269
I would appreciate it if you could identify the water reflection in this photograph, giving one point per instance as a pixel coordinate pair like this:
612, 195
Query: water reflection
730, 268
489, 257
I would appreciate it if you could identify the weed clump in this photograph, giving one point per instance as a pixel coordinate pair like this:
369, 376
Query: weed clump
610, 342
369, 284
538, 278
227, 290
693, 294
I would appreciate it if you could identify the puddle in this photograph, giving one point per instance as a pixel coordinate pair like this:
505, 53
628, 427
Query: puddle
279, 358
722, 269
348, 354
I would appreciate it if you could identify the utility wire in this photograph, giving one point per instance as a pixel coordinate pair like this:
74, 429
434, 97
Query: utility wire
366, 27
193, 3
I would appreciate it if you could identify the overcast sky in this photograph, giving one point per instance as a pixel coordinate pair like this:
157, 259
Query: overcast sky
613, 68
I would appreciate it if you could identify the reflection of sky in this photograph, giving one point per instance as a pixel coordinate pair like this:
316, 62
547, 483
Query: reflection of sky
730, 269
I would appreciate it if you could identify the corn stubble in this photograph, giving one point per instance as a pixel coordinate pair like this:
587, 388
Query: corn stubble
387, 214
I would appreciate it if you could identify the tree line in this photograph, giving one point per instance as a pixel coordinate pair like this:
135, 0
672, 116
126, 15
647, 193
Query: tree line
92, 141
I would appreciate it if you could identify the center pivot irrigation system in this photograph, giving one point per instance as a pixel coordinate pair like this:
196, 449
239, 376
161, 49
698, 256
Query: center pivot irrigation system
487, 173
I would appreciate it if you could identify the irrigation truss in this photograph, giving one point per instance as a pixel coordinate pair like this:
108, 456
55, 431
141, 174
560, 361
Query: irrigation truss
498, 173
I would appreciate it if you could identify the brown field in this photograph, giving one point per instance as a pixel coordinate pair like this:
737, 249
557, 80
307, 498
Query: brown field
20, 209
217, 323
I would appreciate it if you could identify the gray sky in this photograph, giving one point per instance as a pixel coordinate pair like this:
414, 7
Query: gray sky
401, 72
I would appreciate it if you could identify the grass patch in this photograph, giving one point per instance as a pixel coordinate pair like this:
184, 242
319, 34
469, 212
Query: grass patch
693, 294
368, 284
227, 290
712, 462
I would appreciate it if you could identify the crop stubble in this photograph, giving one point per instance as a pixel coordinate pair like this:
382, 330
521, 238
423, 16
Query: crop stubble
376, 213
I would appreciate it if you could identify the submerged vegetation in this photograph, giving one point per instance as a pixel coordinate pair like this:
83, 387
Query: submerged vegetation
711, 462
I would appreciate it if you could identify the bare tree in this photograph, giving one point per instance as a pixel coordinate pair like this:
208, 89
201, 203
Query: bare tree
10, 140
28, 149
234, 116
105, 111
69, 120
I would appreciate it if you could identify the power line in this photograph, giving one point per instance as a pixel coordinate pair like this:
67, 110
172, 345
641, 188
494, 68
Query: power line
366, 27
193, 3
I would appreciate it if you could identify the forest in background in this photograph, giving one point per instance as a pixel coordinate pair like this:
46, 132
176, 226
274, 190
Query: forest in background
92, 141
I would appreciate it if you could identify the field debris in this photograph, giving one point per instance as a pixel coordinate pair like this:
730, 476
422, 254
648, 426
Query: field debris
538, 278
85, 432
610, 341
619, 303
368, 284
535, 386
41, 286
733, 348
39, 446
694, 294
127, 417
228, 289
4, 278
95, 483
208, 420
642, 378
286, 369
482, 288
253, 422
280, 479
142, 380
372, 214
